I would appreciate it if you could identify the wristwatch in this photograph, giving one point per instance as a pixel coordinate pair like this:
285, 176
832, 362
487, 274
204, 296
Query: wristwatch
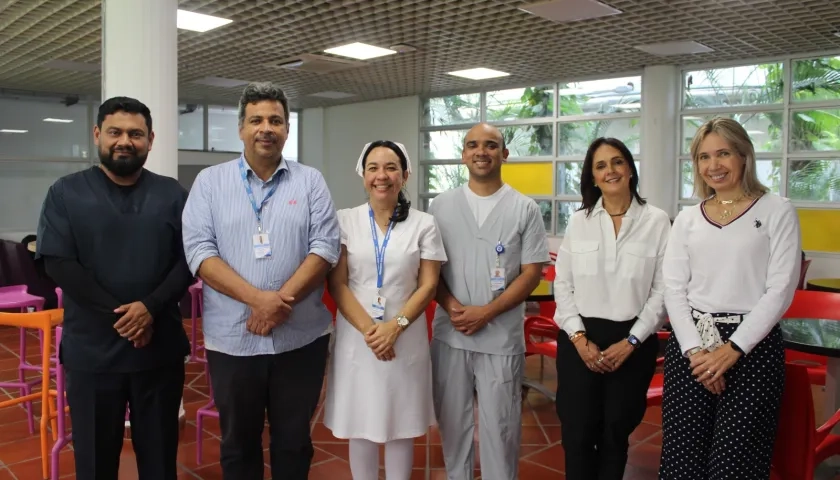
402, 321
632, 340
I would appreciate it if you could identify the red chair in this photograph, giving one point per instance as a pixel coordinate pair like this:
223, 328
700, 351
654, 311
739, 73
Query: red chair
654, 393
430, 317
799, 448
812, 304
329, 303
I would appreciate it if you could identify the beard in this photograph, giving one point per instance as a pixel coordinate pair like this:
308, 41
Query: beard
126, 164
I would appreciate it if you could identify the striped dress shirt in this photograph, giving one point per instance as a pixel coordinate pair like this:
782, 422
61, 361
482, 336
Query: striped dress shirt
299, 218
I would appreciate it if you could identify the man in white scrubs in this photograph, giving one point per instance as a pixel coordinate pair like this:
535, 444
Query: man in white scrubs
496, 243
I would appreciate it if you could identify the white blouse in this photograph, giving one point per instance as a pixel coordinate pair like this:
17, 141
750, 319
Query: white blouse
749, 266
615, 277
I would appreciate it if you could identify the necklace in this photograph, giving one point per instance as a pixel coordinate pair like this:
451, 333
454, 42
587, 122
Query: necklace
727, 207
621, 214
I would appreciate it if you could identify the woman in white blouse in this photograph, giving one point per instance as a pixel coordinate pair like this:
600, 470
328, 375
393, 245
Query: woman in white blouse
379, 382
609, 306
731, 269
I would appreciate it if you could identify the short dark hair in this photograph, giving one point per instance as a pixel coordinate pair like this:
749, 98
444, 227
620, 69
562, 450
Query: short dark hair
403, 205
588, 190
258, 91
123, 104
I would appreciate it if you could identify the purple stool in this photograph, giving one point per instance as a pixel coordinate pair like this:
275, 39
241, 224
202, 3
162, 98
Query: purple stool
197, 301
17, 297
208, 410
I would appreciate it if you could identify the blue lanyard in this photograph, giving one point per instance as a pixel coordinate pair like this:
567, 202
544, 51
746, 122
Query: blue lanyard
257, 210
379, 252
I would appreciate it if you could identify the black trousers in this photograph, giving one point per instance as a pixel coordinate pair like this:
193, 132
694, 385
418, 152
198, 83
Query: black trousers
728, 436
287, 385
599, 411
97, 410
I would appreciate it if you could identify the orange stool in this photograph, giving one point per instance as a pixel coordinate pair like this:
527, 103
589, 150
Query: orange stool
43, 321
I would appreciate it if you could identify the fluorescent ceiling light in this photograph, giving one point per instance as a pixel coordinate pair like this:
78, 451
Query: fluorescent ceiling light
479, 73
198, 22
12, 130
359, 51
562, 11
58, 120
674, 48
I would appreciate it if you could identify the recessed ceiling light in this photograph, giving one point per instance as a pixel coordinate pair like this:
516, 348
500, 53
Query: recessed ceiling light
360, 51
688, 47
58, 120
332, 95
479, 73
198, 22
570, 10
12, 130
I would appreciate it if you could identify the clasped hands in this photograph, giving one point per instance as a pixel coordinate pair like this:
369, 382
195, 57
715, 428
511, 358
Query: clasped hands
381, 337
135, 324
470, 319
268, 309
607, 361
709, 367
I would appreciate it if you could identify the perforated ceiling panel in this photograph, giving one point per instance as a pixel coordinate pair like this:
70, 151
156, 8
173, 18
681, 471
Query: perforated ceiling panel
39, 40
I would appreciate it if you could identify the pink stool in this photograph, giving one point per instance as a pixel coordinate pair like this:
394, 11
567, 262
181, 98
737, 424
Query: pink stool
17, 297
197, 308
208, 410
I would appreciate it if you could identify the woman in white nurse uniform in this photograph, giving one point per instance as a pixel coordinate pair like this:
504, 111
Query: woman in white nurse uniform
379, 382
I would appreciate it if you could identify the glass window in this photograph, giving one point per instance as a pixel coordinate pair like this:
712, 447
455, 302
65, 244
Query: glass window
573, 138
452, 110
440, 178
769, 173
815, 130
816, 79
529, 140
764, 129
223, 131
425, 202
565, 210
41, 128
445, 145
518, 103
567, 178
723, 87
292, 148
190, 127
23, 187
814, 180
545, 211
614, 95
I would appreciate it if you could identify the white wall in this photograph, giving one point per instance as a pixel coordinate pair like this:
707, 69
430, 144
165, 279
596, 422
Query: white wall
333, 138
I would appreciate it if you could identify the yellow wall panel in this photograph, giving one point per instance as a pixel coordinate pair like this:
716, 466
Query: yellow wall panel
529, 178
544, 288
820, 229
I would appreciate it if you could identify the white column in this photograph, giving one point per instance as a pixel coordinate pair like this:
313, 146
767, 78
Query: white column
660, 103
140, 60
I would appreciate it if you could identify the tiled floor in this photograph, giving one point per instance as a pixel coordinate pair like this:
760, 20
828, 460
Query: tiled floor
541, 454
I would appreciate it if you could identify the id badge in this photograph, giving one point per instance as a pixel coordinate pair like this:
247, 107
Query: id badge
497, 279
262, 247
376, 309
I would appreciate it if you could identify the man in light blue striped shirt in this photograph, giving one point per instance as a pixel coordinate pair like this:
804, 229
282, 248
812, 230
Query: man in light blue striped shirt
262, 233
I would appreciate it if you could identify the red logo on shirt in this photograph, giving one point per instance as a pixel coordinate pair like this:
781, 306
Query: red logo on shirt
292, 202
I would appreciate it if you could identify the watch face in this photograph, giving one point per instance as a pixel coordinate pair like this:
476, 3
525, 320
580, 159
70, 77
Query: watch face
633, 340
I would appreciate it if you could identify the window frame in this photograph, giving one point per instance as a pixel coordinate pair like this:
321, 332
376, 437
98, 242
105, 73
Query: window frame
786, 107
555, 121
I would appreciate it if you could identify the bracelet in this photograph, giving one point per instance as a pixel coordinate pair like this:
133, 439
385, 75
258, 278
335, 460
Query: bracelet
691, 352
580, 333
735, 347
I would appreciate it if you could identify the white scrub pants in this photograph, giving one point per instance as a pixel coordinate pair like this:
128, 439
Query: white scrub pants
497, 380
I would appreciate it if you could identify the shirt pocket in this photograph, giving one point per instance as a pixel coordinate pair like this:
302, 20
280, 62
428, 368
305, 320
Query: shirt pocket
638, 261
584, 257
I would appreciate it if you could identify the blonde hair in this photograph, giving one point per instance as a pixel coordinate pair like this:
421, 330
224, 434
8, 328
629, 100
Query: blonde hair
738, 139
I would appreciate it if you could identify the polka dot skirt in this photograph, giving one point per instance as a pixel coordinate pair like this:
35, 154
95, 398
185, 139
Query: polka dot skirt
725, 437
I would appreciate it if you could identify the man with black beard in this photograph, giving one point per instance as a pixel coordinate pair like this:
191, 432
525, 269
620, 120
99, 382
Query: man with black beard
110, 237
